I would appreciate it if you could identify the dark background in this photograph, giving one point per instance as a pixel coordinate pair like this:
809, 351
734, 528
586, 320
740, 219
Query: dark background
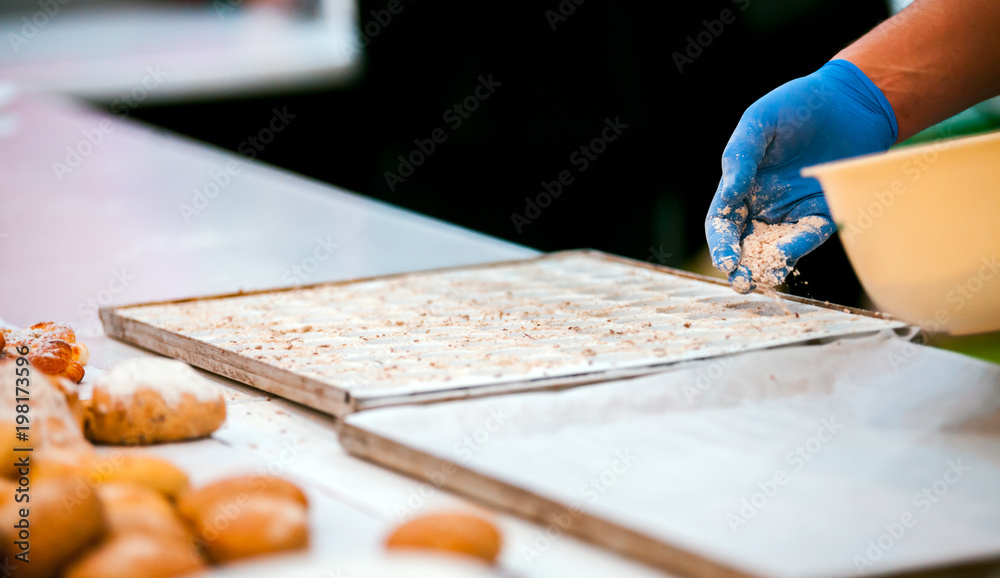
644, 197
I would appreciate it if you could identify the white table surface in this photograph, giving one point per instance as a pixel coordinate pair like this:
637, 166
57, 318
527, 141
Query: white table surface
199, 50
781, 462
62, 242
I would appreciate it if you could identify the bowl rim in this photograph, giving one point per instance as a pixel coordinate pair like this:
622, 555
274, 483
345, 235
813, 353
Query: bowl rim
950, 143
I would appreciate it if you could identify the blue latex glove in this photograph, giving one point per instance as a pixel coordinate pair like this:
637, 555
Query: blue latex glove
834, 113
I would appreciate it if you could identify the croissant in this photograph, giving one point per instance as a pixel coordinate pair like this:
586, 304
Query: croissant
52, 349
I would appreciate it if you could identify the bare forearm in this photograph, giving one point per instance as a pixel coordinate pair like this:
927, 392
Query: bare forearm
933, 59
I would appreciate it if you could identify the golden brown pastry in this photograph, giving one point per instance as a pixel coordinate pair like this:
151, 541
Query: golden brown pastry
132, 509
264, 525
8, 455
227, 517
148, 400
237, 490
55, 464
137, 555
52, 349
61, 524
452, 532
143, 470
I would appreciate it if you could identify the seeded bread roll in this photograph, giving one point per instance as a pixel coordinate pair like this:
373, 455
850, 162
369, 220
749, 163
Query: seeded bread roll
146, 401
451, 532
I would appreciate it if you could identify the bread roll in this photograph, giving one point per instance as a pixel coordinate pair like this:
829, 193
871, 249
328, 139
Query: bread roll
53, 423
451, 532
238, 489
147, 400
61, 523
137, 555
143, 470
247, 516
132, 509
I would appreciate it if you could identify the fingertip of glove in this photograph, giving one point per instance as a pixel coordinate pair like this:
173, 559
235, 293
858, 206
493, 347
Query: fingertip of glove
727, 263
741, 280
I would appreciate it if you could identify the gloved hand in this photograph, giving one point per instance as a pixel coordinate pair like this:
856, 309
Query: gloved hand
834, 113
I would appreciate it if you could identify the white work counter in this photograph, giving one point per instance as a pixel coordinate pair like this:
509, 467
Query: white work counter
111, 231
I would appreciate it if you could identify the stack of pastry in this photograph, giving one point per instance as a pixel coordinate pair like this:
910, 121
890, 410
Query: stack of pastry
122, 513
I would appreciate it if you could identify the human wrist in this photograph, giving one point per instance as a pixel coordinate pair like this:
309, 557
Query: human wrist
879, 85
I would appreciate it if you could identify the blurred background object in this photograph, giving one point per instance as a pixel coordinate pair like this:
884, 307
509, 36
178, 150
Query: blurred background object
469, 112
678, 76
135, 53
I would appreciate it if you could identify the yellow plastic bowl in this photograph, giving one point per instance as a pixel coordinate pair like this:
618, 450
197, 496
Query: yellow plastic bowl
921, 225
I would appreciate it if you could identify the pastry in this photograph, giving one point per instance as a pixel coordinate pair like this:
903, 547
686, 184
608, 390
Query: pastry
143, 470
133, 509
238, 489
149, 400
138, 554
227, 517
51, 420
52, 349
61, 524
452, 532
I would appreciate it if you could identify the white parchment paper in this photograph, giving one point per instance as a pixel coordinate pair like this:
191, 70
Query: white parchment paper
865, 455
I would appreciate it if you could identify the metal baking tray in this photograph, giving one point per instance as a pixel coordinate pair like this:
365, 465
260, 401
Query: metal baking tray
553, 321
